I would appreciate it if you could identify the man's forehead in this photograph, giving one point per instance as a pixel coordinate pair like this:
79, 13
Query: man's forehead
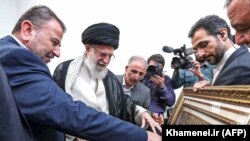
236, 12
199, 36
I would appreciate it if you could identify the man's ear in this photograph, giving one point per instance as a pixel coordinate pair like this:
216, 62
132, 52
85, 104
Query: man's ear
126, 67
223, 33
87, 48
27, 30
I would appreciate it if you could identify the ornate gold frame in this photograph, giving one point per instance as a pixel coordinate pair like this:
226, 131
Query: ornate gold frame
213, 105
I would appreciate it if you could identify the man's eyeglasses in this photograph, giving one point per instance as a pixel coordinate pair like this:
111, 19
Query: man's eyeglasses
104, 54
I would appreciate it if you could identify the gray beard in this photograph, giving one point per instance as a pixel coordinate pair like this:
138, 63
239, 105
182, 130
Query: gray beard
95, 71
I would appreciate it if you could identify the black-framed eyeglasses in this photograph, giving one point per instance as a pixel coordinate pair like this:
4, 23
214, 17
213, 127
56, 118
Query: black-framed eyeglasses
104, 54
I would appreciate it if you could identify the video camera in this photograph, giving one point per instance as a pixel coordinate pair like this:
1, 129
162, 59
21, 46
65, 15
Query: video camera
153, 70
184, 61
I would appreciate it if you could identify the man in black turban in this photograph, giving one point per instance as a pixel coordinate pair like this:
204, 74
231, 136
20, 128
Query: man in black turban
101, 34
88, 79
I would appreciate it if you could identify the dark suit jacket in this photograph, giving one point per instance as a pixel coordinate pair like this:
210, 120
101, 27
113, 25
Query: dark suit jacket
13, 126
48, 109
140, 93
236, 70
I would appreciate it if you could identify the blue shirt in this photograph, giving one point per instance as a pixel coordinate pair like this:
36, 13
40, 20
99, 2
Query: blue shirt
187, 78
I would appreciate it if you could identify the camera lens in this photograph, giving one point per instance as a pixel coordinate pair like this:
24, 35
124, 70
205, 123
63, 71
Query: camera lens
153, 70
176, 62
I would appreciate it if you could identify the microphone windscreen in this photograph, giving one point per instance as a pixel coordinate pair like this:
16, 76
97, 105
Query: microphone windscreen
167, 49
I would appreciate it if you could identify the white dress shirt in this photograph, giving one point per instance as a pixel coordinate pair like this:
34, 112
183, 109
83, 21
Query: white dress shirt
222, 62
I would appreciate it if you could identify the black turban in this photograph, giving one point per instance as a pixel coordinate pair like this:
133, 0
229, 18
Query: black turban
101, 34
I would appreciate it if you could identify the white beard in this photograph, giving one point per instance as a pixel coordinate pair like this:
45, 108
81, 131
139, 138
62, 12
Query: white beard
97, 72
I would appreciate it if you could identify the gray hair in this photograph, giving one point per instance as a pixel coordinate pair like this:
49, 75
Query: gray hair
137, 58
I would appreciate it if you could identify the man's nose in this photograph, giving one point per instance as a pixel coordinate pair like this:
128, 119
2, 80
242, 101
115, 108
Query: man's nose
138, 76
106, 59
200, 53
56, 52
240, 38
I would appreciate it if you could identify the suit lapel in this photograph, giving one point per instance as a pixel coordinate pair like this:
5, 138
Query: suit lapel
238, 52
120, 78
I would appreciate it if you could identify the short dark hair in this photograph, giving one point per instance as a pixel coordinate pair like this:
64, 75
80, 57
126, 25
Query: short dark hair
157, 58
212, 24
38, 15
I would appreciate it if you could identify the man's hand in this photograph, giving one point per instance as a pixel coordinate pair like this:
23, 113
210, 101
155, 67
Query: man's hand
201, 84
146, 117
153, 136
159, 81
158, 118
197, 70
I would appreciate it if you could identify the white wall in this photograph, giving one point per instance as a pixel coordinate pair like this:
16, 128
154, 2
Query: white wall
145, 25
8, 16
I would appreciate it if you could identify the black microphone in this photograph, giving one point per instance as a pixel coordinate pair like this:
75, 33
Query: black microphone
168, 49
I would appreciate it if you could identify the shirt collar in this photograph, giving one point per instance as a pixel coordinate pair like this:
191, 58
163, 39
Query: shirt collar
225, 57
19, 42
124, 84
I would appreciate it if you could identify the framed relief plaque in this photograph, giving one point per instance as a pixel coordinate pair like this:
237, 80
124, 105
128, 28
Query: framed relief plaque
218, 105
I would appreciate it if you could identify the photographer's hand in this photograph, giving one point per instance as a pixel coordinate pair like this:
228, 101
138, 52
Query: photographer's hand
159, 81
197, 70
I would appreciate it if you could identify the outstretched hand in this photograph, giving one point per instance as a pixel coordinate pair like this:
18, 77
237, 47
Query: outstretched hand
201, 84
146, 118
158, 118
